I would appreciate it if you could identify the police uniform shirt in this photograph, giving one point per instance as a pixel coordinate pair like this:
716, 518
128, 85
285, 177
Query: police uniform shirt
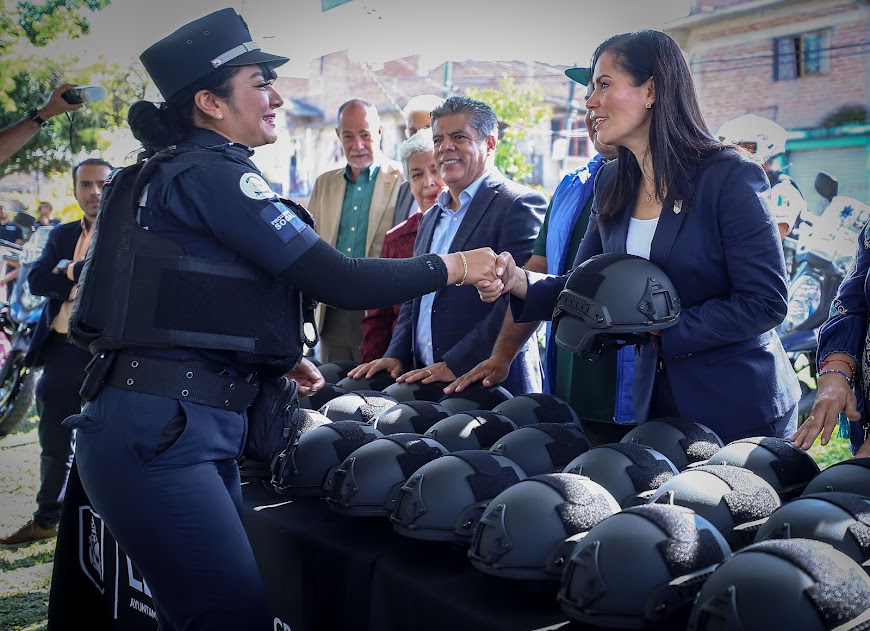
217, 205
11, 232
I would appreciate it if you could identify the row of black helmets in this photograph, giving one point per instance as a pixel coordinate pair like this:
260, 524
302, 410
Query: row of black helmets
668, 528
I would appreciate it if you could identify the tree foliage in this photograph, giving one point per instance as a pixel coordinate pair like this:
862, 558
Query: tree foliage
520, 110
27, 80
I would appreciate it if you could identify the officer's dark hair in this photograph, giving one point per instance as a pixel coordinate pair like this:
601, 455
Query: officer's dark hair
678, 135
96, 162
370, 109
159, 125
480, 115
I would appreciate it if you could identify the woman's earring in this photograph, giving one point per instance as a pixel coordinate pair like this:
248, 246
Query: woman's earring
649, 106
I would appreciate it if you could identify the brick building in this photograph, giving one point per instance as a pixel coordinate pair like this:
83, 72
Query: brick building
804, 64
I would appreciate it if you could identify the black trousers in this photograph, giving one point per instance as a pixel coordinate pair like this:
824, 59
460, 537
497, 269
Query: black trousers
57, 397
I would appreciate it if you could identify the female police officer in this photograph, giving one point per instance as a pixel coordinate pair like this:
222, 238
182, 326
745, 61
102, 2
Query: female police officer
158, 442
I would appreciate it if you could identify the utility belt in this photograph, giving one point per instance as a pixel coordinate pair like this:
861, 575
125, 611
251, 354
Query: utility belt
184, 381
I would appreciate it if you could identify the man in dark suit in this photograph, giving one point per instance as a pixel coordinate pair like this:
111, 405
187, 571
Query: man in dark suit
417, 115
446, 333
54, 274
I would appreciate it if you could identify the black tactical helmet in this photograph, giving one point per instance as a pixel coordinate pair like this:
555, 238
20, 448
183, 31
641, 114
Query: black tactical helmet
641, 568
409, 417
378, 381
368, 480
784, 584
848, 476
841, 519
475, 429
683, 441
444, 499
302, 468
537, 407
612, 300
335, 371
528, 530
629, 471
787, 469
320, 398
475, 397
734, 499
417, 391
543, 447
362, 406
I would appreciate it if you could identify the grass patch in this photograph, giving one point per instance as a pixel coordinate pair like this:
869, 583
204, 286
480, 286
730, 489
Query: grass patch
25, 570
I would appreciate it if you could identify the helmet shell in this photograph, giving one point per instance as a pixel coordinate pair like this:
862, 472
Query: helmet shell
612, 300
537, 407
409, 417
848, 476
734, 499
416, 391
840, 519
641, 568
631, 472
303, 468
443, 499
362, 406
787, 469
475, 397
367, 481
475, 429
378, 381
543, 447
681, 440
335, 371
525, 530
784, 584
767, 136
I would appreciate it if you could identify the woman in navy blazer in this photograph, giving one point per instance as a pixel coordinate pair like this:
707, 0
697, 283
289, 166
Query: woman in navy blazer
699, 210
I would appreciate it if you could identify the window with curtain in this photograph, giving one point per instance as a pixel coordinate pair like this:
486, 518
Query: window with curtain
801, 55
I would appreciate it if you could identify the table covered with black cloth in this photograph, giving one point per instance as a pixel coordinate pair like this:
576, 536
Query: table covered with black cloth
329, 572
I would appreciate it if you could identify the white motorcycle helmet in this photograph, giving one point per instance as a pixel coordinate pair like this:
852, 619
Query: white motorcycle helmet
747, 130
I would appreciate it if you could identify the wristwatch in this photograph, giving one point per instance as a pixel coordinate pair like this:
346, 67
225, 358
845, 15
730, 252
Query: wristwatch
62, 265
33, 114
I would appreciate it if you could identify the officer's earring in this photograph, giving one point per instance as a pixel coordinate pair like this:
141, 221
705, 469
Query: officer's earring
221, 116
649, 106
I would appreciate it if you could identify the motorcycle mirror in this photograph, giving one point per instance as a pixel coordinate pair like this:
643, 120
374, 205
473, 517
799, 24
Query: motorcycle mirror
24, 220
826, 185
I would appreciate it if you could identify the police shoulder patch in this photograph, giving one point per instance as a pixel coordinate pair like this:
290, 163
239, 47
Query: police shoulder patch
254, 186
282, 220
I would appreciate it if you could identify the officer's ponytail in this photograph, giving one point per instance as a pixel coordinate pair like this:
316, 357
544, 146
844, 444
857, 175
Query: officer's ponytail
155, 125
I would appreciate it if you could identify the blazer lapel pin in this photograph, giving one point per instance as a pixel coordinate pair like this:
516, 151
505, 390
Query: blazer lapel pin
678, 206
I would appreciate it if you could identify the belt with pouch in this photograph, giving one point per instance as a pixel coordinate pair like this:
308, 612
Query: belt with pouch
185, 381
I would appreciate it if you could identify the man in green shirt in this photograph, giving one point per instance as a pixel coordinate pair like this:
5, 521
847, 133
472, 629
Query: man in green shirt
353, 207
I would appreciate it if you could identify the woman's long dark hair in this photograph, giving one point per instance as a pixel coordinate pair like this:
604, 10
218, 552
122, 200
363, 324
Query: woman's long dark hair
678, 135
159, 125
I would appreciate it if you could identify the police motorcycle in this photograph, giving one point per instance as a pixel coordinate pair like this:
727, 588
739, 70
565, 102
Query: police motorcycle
18, 319
823, 254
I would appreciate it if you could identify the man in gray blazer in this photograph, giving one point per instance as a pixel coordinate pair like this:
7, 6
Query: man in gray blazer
448, 332
353, 208
417, 114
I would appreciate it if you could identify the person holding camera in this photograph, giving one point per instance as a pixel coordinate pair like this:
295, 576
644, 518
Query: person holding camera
18, 134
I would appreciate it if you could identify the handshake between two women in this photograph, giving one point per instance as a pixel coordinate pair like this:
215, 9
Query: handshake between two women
491, 275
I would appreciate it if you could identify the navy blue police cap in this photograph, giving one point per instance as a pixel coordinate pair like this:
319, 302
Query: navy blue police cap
200, 47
